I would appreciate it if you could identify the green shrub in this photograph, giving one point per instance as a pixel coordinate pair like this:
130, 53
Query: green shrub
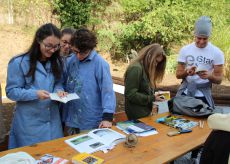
171, 64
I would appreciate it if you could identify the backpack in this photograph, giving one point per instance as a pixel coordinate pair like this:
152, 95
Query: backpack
190, 106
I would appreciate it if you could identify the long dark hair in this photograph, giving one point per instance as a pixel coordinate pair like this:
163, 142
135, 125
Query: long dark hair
34, 51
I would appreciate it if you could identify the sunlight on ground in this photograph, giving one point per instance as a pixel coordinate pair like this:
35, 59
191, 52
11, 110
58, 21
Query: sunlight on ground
3, 85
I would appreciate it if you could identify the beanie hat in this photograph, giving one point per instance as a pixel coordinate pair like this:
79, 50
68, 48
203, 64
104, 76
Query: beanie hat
203, 26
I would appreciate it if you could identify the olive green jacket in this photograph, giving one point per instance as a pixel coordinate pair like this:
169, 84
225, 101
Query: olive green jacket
138, 93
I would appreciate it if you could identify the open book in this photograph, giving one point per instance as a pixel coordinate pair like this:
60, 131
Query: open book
137, 127
177, 122
70, 96
95, 140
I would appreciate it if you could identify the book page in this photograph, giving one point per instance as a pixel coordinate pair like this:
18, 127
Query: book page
201, 68
107, 136
162, 107
69, 97
85, 143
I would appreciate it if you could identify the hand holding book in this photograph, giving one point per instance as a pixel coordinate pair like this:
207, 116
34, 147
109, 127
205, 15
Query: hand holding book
202, 71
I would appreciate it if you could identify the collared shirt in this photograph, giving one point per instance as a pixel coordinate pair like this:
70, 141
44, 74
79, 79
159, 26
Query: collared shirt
91, 80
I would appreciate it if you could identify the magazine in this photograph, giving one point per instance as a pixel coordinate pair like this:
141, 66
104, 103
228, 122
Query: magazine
177, 122
68, 97
85, 158
50, 159
137, 127
95, 140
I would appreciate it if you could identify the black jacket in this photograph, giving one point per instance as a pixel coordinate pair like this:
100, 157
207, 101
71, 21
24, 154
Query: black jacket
216, 148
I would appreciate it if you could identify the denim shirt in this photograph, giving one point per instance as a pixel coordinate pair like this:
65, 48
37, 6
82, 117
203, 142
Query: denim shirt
91, 80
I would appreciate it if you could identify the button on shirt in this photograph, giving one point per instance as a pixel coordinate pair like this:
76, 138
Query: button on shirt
91, 80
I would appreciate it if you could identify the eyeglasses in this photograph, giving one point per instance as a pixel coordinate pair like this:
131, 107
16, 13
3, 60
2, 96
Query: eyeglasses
50, 47
75, 51
64, 42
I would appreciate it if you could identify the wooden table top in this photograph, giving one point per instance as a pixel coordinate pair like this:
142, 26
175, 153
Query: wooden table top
158, 148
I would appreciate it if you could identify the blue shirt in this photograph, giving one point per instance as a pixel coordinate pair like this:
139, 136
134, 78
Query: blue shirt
92, 81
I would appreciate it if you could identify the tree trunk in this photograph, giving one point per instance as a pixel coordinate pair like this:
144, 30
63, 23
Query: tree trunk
10, 12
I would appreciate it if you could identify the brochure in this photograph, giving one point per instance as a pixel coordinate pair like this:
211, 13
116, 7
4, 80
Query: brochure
201, 68
137, 127
162, 106
85, 158
165, 94
95, 140
68, 97
176, 122
50, 159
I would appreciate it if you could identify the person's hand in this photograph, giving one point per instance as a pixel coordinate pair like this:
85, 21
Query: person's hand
159, 97
204, 74
42, 94
105, 124
62, 93
191, 71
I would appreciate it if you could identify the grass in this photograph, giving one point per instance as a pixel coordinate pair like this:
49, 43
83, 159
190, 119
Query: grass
221, 39
14, 40
171, 64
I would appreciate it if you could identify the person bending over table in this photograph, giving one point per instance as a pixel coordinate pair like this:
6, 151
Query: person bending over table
141, 78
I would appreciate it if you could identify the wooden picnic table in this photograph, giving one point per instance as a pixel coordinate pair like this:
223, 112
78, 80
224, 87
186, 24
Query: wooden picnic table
158, 148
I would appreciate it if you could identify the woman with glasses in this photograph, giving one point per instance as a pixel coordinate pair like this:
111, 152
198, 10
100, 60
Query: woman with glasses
66, 35
30, 78
140, 81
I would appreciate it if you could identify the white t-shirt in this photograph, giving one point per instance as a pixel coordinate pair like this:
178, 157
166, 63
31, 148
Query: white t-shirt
206, 57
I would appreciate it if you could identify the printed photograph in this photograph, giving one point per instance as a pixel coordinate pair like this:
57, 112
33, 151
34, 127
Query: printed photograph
96, 145
90, 160
102, 132
80, 140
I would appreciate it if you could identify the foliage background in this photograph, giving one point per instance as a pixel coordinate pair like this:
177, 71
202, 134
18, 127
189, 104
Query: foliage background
122, 25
